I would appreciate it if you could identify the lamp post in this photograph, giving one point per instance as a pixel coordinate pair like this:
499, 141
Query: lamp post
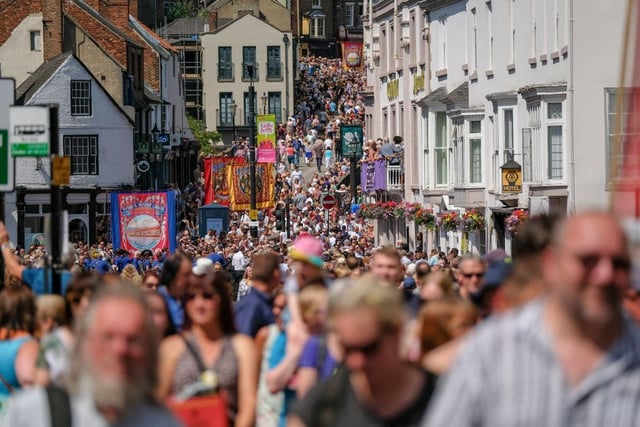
252, 147
155, 132
233, 107
264, 99
285, 40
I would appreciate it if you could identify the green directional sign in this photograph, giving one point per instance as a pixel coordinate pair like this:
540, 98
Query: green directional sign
40, 149
7, 95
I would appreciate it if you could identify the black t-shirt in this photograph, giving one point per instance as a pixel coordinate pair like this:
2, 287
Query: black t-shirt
334, 404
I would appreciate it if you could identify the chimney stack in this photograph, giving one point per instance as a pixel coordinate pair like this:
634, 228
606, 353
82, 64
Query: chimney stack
52, 28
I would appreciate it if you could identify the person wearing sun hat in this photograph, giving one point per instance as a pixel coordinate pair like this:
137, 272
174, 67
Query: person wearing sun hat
306, 253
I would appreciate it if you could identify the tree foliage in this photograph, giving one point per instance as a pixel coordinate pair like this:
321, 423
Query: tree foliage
209, 140
182, 9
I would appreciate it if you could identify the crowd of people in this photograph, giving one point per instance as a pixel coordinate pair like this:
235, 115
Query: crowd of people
546, 338
310, 324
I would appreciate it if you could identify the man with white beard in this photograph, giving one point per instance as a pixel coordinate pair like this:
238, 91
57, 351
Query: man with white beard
112, 375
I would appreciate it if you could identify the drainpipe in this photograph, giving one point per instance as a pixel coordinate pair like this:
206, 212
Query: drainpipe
570, 117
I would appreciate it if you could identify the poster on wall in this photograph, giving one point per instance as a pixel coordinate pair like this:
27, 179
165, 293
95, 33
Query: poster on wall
143, 221
266, 136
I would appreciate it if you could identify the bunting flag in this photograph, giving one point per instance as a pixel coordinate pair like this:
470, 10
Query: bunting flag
141, 221
266, 137
215, 179
351, 55
239, 182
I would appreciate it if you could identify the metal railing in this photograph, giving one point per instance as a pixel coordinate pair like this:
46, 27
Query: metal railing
245, 73
395, 177
226, 71
274, 71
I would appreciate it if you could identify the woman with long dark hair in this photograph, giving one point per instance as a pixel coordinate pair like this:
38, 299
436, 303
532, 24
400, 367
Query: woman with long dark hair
209, 351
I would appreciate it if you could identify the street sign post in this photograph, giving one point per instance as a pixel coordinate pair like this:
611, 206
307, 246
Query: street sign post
328, 201
29, 134
7, 94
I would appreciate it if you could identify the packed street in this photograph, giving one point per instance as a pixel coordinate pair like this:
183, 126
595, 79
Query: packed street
385, 214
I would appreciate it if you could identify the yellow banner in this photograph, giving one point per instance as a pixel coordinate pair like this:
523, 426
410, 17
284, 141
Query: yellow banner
239, 182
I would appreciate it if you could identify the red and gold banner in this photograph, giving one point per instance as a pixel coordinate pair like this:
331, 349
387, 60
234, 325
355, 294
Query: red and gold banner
351, 55
239, 181
215, 179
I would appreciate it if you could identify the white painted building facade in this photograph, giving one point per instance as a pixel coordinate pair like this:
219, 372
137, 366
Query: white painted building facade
94, 130
528, 81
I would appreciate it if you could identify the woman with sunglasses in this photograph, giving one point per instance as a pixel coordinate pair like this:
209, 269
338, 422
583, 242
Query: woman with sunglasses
209, 351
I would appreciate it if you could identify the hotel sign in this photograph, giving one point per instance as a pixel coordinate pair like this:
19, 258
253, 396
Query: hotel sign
511, 177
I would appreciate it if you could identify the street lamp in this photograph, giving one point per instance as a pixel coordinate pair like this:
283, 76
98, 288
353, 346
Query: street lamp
155, 133
252, 149
264, 99
233, 107
285, 40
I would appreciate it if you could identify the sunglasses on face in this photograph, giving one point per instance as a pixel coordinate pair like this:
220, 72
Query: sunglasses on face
470, 275
205, 295
366, 350
591, 261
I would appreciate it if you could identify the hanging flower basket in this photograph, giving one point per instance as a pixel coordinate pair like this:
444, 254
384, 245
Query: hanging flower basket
515, 220
448, 221
389, 210
471, 221
425, 217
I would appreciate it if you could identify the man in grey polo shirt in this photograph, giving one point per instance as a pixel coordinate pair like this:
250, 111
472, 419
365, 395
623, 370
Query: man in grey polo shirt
570, 358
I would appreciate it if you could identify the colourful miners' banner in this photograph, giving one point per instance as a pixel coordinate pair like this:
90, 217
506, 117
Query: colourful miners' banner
215, 179
239, 179
351, 55
266, 132
142, 221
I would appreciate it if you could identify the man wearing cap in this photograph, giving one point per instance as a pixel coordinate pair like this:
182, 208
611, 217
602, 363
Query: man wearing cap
253, 311
306, 254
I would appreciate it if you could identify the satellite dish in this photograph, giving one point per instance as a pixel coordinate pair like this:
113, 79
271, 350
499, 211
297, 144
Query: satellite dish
143, 166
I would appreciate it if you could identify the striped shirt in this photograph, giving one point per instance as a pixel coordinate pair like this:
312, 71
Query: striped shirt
508, 375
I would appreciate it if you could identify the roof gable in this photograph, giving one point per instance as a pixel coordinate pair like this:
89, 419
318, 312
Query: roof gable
47, 72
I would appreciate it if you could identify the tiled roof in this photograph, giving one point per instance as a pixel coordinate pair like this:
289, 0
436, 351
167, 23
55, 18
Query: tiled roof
434, 96
94, 14
459, 95
184, 26
148, 33
39, 77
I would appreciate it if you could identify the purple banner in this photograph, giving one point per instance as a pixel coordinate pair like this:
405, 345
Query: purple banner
373, 176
